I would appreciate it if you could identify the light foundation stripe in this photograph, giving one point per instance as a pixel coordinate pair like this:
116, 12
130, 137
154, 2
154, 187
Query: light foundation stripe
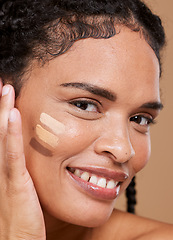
56, 126
47, 136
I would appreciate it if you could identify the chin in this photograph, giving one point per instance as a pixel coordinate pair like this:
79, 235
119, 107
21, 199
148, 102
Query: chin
86, 215
89, 221
94, 222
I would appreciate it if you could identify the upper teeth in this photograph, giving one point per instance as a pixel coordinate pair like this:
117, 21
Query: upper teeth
99, 181
93, 179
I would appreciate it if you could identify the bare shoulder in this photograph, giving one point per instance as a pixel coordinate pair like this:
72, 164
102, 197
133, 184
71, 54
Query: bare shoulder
123, 226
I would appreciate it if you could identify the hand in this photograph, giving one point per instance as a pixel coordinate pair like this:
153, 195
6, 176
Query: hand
20, 212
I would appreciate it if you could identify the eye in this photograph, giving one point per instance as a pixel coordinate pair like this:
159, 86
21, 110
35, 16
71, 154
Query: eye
86, 105
86, 109
142, 120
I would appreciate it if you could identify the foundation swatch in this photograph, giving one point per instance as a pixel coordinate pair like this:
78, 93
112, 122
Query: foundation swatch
55, 126
47, 136
47, 152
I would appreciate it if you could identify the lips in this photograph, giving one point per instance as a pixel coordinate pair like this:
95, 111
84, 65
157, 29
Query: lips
100, 183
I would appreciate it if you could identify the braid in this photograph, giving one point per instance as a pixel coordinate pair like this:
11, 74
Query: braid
131, 196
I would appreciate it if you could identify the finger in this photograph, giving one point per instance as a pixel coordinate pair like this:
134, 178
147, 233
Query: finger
15, 153
6, 103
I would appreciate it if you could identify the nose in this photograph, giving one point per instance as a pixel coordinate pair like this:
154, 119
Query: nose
117, 143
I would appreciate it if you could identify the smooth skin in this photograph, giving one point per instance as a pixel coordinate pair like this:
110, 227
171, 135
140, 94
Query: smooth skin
119, 141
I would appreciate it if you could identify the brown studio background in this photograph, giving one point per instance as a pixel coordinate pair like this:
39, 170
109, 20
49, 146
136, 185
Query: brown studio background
155, 182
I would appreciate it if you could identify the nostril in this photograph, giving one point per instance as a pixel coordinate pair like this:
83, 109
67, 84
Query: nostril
107, 152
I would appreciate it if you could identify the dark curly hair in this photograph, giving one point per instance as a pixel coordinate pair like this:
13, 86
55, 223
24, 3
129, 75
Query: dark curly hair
44, 29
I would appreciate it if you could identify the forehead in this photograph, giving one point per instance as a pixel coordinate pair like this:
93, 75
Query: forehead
125, 47
124, 64
123, 61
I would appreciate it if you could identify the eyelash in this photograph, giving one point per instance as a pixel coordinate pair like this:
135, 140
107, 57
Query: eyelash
136, 118
85, 103
139, 117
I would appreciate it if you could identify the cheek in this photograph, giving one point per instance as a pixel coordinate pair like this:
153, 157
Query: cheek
76, 138
142, 153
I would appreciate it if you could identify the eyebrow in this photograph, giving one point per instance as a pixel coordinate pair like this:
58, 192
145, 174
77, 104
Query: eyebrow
107, 94
153, 105
92, 89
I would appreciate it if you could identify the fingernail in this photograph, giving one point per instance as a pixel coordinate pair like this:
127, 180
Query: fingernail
5, 90
12, 116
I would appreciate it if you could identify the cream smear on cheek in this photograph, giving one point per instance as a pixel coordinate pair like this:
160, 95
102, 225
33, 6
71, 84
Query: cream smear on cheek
50, 130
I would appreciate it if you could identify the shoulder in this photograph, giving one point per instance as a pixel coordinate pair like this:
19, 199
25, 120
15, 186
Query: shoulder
123, 226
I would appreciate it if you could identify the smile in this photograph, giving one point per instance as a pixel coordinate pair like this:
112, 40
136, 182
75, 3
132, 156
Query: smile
92, 178
99, 183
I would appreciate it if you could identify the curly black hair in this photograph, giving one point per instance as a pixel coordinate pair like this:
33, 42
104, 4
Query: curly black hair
44, 29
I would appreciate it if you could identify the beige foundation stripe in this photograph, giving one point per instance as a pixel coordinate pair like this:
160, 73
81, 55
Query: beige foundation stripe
56, 126
46, 136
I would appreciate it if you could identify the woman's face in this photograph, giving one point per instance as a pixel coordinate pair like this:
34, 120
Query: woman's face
103, 94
